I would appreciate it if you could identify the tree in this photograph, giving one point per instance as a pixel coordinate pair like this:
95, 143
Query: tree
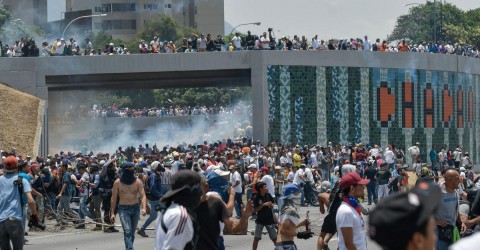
452, 24
101, 39
4, 16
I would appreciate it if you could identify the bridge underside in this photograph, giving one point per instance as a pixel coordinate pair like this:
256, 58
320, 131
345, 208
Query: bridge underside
148, 80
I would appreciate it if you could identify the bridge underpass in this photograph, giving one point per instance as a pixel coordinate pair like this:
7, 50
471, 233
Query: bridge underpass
71, 90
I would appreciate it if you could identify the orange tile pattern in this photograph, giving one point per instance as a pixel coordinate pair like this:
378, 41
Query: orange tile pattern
408, 105
387, 104
447, 106
460, 107
429, 111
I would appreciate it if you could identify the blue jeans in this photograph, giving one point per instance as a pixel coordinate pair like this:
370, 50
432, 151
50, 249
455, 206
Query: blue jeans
64, 208
164, 188
302, 203
441, 245
372, 192
129, 216
83, 210
12, 230
238, 204
153, 214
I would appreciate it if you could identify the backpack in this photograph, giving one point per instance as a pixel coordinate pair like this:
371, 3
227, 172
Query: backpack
375, 47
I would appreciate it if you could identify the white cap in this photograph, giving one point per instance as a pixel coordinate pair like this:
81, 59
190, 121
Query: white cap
462, 169
252, 166
102, 162
278, 167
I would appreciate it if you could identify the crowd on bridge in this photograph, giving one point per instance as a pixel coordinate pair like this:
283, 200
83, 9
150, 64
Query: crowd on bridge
26, 47
107, 111
202, 189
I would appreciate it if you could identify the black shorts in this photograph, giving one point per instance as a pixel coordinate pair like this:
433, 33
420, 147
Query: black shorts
329, 224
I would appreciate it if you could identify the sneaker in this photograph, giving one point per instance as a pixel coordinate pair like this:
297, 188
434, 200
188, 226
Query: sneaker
97, 229
142, 233
108, 230
114, 230
325, 247
80, 226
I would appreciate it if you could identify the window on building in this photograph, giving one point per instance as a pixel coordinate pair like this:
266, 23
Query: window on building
149, 6
119, 24
123, 6
103, 9
168, 6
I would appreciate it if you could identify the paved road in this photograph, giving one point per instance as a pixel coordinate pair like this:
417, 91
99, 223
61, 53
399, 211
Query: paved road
87, 239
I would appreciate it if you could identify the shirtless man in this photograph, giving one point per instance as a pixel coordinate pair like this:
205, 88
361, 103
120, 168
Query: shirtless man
126, 189
290, 220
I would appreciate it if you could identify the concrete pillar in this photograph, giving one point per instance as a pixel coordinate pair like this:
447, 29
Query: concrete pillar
259, 96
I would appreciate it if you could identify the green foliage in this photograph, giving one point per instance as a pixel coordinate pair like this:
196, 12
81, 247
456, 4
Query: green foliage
452, 24
101, 39
4, 16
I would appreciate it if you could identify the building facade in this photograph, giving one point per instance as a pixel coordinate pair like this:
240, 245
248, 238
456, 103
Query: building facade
126, 17
31, 12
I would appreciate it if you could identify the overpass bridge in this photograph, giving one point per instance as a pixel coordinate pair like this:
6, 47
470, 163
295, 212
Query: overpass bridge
304, 97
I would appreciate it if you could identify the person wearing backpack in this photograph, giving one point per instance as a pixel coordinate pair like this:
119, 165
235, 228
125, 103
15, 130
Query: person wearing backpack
12, 188
153, 190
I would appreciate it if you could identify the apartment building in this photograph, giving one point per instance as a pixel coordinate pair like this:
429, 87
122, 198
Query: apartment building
126, 17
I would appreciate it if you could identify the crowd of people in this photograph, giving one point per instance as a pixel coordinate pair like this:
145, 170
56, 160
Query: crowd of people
196, 192
106, 111
26, 47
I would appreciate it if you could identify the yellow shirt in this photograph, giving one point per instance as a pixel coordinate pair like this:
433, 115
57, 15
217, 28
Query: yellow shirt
297, 160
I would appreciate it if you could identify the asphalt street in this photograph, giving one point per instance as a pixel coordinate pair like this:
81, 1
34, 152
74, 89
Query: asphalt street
86, 239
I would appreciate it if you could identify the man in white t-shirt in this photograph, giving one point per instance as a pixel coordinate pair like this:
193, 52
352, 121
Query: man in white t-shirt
351, 226
84, 189
268, 180
367, 45
236, 181
389, 158
265, 40
237, 42
299, 180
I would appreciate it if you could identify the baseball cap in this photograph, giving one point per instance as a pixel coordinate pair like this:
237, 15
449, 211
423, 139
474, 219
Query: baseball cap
400, 215
252, 166
11, 164
351, 179
264, 169
288, 190
181, 181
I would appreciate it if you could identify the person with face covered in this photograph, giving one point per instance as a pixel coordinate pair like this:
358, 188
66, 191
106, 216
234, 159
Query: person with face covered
108, 175
290, 220
126, 189
177, 226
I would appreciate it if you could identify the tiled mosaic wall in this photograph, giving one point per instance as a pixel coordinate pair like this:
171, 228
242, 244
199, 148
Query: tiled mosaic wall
313, 105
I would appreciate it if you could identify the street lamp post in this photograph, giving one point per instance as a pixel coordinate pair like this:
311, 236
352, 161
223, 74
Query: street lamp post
243, 24
80, 17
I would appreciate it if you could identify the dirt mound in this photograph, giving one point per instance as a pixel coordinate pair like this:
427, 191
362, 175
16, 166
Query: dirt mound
21, 118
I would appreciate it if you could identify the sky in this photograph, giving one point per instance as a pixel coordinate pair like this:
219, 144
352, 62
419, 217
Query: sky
326, 18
